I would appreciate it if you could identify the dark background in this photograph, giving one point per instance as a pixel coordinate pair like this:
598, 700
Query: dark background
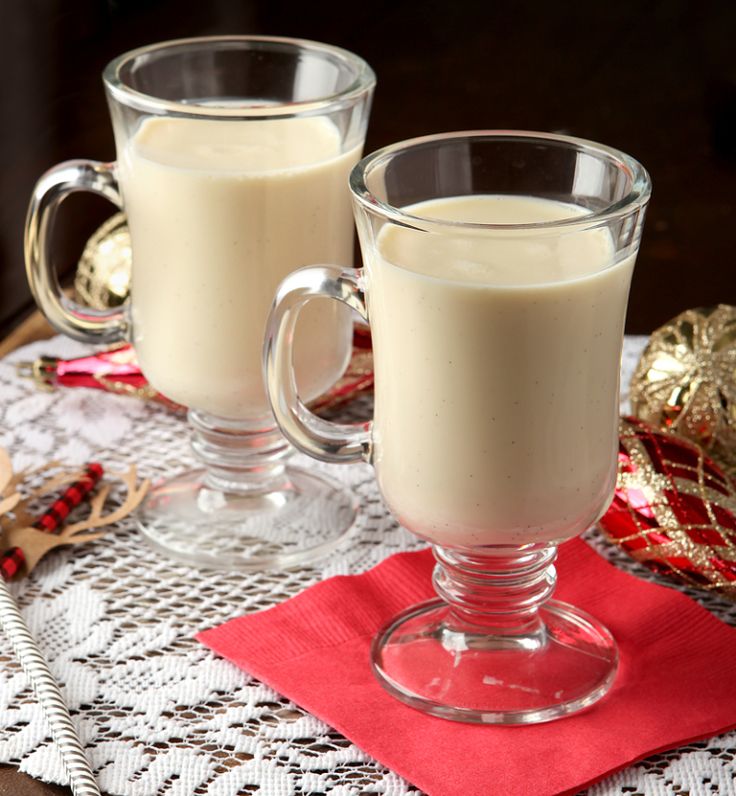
655, 79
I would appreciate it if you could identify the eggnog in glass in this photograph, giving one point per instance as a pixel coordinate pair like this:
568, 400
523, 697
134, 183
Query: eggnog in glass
496, 275
233, 161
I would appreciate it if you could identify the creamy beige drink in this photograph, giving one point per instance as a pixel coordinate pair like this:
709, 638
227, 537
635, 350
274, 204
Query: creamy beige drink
497, 361
220, 212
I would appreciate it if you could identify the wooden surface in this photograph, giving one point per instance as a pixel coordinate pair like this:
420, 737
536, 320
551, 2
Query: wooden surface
13, 783
34, 327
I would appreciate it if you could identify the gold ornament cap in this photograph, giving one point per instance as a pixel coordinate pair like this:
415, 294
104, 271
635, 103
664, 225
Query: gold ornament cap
686, 380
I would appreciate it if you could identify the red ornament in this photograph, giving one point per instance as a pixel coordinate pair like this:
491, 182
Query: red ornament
117, 370
674, 509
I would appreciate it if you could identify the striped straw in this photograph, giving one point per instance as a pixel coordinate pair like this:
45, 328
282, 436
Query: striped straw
48, 693
81, 778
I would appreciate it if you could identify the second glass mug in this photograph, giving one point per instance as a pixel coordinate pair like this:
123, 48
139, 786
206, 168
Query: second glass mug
233, 159
496, 276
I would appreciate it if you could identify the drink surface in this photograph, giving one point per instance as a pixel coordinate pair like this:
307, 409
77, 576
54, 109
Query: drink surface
219, 213
497, 356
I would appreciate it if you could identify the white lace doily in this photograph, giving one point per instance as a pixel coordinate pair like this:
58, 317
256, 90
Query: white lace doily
159, 713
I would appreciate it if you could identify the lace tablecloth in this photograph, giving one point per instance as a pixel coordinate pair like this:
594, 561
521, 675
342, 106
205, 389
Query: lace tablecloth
158, 712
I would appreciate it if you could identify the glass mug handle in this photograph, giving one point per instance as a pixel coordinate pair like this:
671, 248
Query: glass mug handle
81, 323
330, 442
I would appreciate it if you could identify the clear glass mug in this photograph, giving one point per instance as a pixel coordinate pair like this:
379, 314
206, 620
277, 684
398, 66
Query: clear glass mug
496, 276
233, 160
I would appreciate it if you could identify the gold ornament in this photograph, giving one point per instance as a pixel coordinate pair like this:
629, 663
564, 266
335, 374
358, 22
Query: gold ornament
686, 380
103, 271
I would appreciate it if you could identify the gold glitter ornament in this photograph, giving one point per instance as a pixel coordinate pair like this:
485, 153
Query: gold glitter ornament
103, 271
686, 380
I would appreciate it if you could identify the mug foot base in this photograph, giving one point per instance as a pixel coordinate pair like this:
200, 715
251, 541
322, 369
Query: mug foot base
307, 517
423, 660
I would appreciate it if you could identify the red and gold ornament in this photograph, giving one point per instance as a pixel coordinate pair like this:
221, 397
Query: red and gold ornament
115, 370
674, 508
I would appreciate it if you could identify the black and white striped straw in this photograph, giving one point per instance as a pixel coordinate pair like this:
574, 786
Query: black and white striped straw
81, 778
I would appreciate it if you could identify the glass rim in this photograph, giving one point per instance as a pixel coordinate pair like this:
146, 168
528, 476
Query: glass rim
637, 197
123, 93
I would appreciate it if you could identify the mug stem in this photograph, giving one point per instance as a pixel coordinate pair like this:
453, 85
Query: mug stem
245, 507
240, 457
499, 594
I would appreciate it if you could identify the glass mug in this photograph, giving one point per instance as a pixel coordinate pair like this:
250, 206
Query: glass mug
233, 160
496, 278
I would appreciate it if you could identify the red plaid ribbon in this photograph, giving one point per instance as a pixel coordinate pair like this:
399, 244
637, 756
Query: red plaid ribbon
10, 562
52, 519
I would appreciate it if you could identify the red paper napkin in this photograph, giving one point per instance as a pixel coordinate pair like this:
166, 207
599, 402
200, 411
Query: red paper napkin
676, 681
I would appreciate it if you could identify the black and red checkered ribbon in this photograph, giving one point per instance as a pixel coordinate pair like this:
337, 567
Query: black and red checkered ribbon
53, 518
11, 561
